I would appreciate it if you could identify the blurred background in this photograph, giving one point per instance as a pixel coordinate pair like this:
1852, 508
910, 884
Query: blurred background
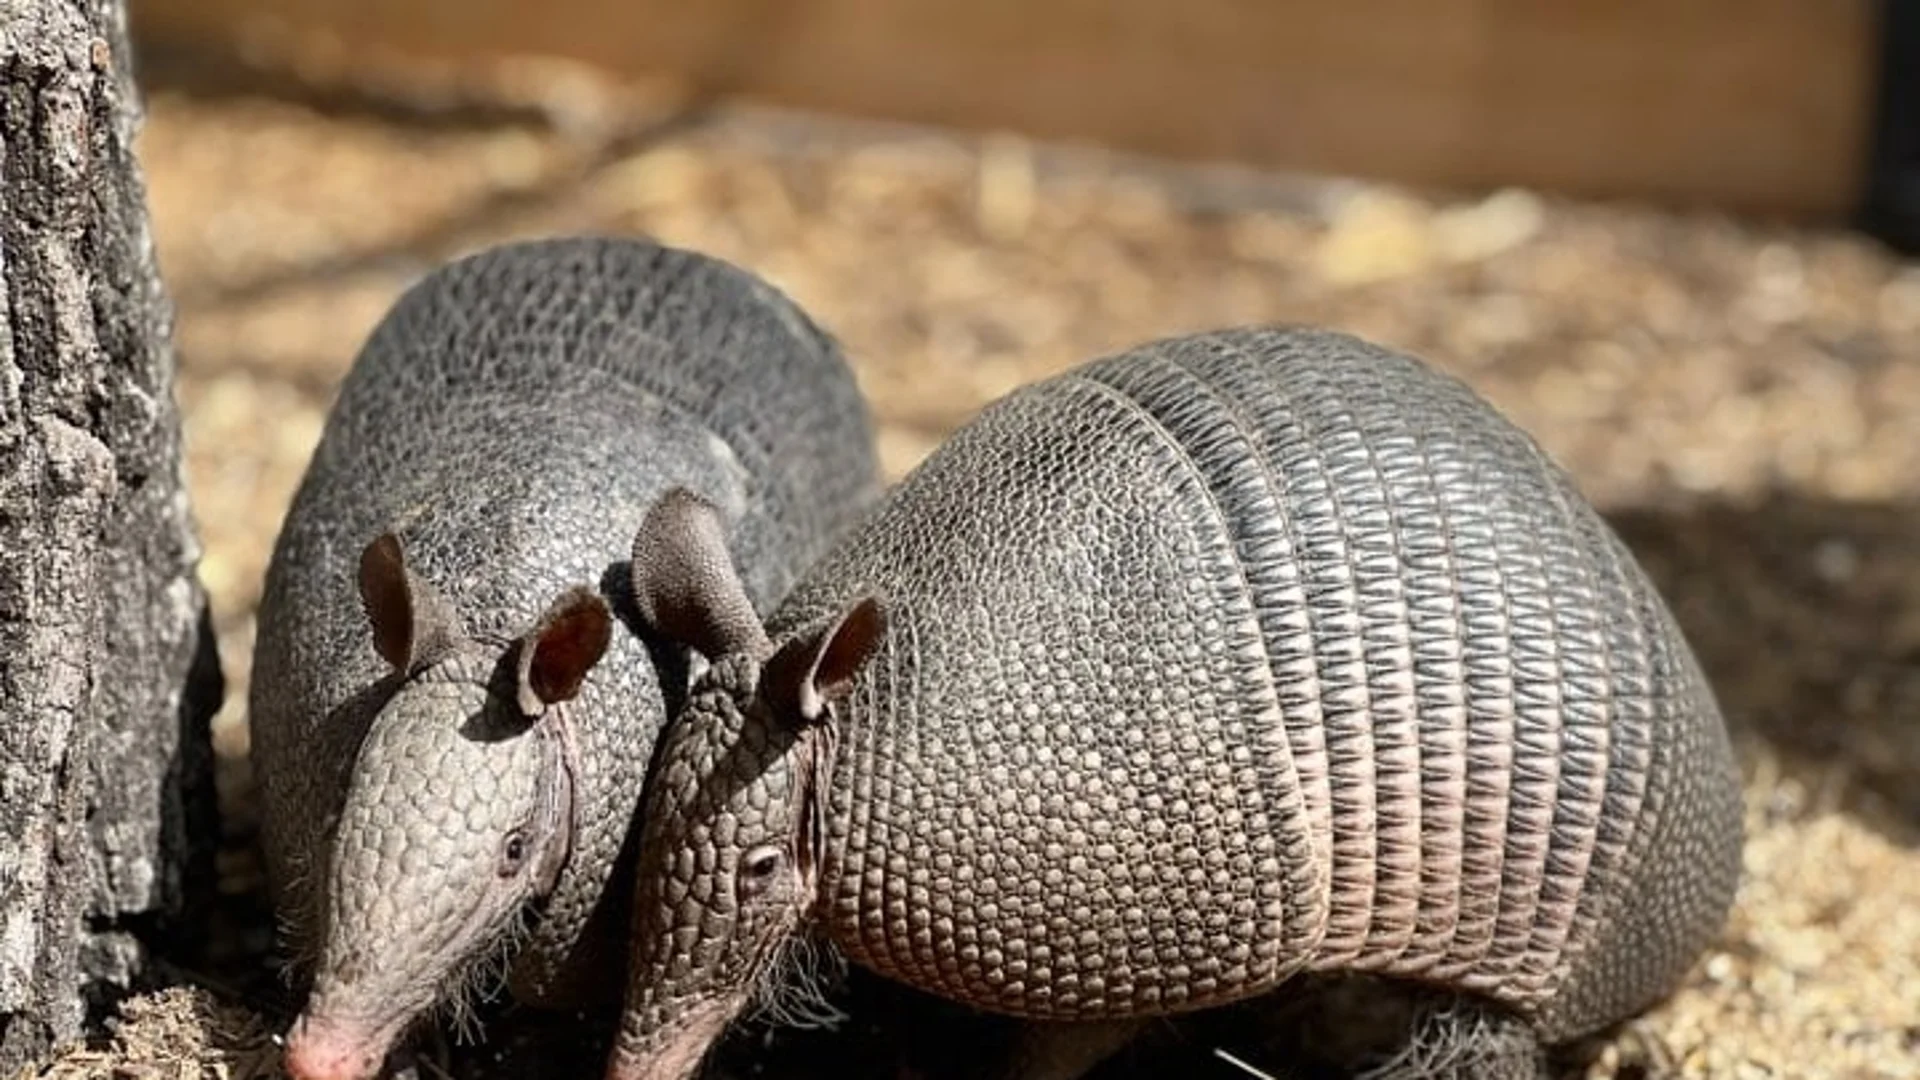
1669, 239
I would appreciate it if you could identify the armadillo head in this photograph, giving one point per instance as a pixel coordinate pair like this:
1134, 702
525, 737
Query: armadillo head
733, 817
458, 816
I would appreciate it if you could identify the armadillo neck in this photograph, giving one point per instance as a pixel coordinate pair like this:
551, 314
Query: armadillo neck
1207, 668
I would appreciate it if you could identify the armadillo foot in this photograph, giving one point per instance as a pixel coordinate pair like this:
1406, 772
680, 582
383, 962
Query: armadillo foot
1464, 1040
1066, 1051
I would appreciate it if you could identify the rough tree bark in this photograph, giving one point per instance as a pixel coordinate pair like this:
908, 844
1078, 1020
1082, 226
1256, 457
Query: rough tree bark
107, 676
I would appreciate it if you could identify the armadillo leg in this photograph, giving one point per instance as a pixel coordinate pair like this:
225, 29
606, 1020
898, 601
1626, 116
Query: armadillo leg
1463, 1040
1061, 1051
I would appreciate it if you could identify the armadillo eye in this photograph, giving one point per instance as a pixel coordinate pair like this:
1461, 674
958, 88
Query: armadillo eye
758, 867
513, 854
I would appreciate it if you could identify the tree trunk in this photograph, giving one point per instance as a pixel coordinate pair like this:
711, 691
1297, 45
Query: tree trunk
107, 674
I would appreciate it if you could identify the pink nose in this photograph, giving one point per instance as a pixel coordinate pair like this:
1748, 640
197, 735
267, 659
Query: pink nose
320, 1052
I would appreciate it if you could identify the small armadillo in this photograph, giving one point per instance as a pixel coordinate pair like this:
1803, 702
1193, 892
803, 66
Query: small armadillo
1221, 664
449, 725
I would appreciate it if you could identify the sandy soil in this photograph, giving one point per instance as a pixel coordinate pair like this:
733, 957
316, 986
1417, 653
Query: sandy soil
1743, 402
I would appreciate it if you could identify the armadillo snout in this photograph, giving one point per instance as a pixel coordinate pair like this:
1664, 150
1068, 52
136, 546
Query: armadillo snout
318, 1050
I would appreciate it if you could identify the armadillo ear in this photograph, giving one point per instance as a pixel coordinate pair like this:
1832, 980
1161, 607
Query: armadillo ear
554, 660
684, 580
813, 671
412, 623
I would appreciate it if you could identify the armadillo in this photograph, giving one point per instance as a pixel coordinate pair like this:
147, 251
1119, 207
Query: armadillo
451, 710
1170, 683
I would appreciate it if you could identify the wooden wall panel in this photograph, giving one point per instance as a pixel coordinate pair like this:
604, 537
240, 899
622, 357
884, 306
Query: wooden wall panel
1752, 104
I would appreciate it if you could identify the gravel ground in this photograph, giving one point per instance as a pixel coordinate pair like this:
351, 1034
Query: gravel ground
1743, 402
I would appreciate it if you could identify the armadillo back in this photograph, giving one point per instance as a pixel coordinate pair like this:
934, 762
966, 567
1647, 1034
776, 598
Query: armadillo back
1258, 652
502, 352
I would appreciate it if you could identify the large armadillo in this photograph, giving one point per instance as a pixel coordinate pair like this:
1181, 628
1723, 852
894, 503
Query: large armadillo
449, 724
1190, 675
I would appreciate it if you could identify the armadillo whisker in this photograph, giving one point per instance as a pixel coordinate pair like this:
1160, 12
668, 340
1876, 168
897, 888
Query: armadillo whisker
1222, 1053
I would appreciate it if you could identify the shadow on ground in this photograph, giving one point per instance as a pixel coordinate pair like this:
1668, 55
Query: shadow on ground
211, 74
1805, 613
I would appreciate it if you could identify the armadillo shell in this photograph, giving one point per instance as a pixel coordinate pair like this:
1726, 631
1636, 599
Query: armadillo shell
1259, 652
